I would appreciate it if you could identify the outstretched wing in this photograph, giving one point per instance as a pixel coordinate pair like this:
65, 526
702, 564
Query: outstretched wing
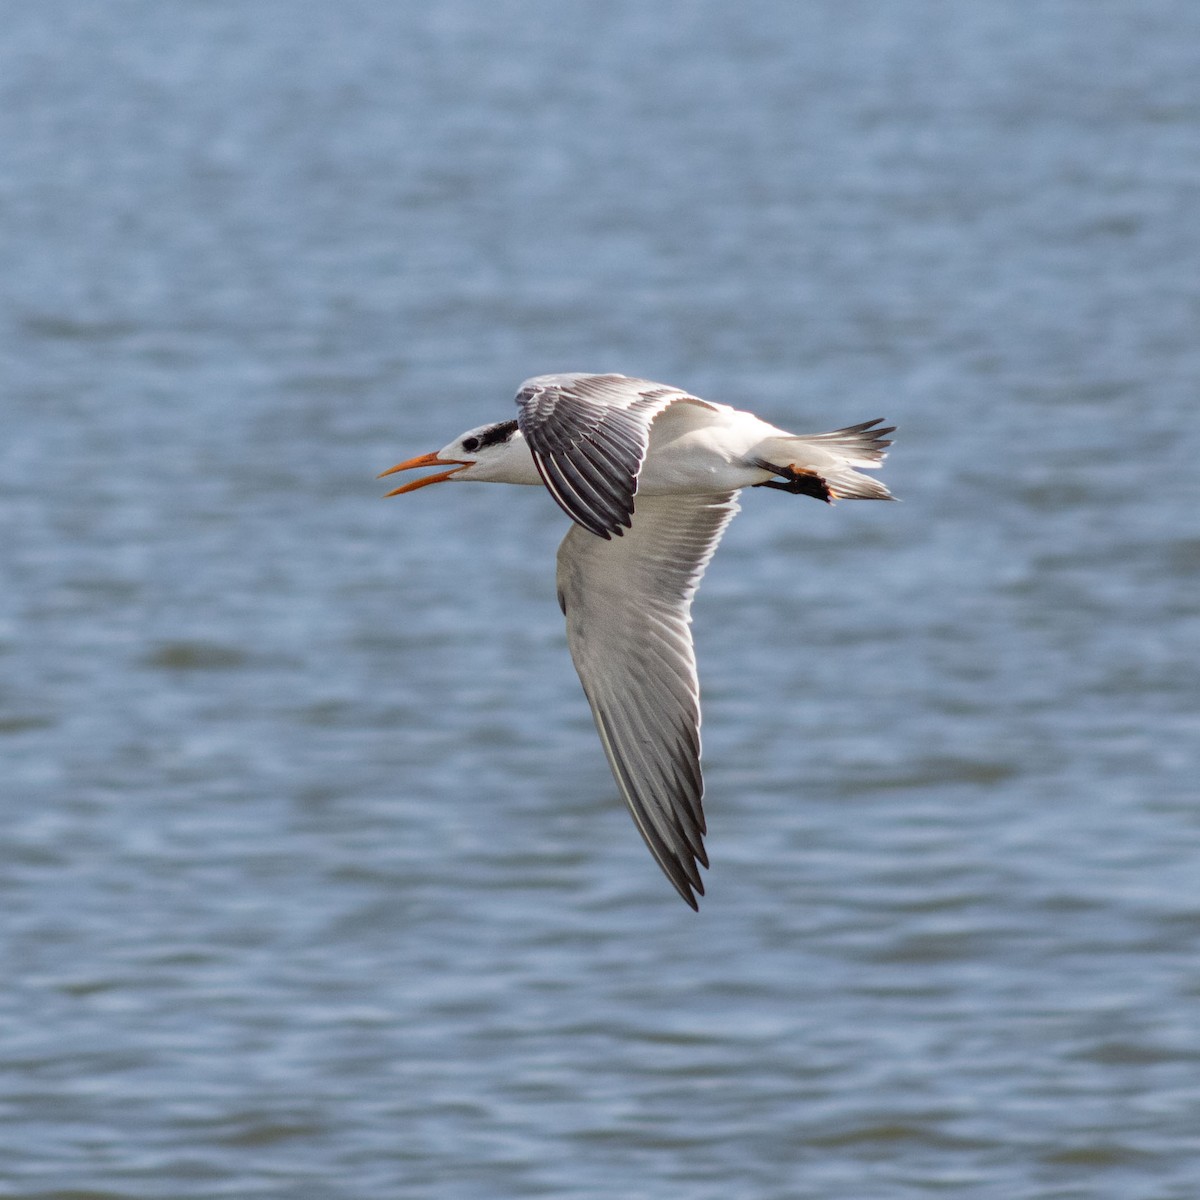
588, 436
628, 608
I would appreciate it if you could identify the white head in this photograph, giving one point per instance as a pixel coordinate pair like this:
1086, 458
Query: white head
494, 453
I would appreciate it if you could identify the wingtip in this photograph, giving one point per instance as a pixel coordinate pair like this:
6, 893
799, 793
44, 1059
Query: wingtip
691, 892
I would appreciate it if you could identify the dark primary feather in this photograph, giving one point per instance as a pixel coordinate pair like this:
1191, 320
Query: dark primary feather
588, 436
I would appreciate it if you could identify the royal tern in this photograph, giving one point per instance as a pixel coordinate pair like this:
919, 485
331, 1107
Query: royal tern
650, 476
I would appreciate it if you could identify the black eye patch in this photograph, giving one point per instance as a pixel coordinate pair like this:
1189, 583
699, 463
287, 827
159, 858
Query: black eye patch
496, 433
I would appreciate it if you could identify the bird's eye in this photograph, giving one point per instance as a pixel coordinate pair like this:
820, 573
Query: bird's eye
471, 444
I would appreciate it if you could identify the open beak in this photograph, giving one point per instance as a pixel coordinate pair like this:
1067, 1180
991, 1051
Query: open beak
423, 460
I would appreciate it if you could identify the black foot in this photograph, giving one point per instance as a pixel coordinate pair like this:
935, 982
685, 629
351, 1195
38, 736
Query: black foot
798, 483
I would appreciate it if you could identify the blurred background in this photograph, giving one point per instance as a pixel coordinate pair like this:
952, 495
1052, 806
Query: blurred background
314, 880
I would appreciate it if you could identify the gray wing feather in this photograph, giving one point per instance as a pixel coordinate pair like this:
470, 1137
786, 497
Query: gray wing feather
628, 609
588, 435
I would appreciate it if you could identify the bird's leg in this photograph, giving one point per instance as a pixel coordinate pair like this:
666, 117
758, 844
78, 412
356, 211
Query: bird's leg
798, 482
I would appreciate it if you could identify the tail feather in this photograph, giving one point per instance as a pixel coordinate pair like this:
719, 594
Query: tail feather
834, 457
861, 445
848, 484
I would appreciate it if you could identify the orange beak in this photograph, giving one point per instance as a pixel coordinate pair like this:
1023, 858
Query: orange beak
423, 460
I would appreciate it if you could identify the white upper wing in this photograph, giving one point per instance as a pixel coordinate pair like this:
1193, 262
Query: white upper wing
588, 436
628, 609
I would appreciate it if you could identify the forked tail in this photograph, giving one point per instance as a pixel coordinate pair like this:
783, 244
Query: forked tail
829, 465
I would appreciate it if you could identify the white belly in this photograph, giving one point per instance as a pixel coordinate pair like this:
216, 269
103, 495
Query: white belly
695, 450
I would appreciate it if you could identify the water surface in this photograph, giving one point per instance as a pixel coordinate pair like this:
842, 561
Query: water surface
315, 882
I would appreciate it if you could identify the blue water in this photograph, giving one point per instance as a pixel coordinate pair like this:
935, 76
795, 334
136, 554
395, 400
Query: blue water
314, 881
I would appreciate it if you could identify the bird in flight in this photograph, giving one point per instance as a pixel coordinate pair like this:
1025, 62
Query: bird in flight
649, 475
